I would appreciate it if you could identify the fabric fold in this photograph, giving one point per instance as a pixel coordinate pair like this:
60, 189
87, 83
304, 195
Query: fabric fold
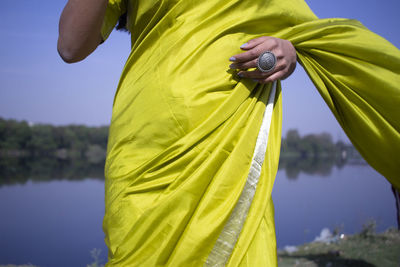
228, 237
357, 73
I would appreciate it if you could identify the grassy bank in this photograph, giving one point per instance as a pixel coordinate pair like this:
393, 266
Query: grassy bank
365, 250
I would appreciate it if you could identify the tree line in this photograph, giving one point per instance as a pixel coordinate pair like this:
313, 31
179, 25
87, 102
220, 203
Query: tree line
311, 145
18, 138
44, 152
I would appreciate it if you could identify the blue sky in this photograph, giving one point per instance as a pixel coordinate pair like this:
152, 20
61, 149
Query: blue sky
37, 86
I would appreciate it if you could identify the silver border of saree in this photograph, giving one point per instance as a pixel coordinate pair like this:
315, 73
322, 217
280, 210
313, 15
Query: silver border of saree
226, 241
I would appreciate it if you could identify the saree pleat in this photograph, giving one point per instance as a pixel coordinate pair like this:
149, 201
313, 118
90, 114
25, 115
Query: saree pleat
190, 197
184, 126
228, 237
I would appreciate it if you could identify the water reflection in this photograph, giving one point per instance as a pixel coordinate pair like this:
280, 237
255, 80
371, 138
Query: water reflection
14, 170
320, 166
66, 215
346, 198
19, 170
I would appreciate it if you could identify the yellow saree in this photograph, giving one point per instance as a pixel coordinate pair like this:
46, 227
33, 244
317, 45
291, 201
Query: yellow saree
193, 150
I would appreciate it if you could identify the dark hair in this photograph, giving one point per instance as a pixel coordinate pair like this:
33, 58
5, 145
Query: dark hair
121, 26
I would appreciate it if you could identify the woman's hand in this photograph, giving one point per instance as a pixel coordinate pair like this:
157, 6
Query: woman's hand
285, 59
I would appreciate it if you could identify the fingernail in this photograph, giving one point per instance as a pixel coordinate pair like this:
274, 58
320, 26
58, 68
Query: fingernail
232, 66
254, 80
240, 75
232, 59
244, 45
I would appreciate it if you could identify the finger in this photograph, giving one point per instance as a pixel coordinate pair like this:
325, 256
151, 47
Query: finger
253, 43
256, 74
248, 55
259, 46
244, 65
276, 76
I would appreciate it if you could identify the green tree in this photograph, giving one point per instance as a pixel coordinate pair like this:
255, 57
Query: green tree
14, 135
42, 139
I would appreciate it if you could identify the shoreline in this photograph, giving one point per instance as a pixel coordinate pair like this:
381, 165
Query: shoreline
366, 248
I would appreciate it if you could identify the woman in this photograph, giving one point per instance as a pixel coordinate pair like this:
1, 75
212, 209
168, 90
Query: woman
195, 133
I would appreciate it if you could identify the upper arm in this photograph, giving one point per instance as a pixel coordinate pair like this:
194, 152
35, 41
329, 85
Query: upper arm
84, 25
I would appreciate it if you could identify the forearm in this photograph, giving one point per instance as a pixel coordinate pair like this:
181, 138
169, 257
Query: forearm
80, 28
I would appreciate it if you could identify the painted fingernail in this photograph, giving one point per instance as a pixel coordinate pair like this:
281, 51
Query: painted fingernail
254, 80
240, 75
232, 66
244, 45
232, 59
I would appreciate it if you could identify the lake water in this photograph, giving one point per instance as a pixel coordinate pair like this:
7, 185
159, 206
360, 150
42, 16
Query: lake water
58, 223
345, 199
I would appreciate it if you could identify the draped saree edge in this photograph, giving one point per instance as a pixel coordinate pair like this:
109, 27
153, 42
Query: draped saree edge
226, 241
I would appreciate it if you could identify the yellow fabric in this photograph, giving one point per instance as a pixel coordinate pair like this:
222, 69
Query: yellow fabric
115, 8
358, 74
184, 126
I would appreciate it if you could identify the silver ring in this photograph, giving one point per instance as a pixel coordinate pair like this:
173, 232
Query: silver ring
266, 62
